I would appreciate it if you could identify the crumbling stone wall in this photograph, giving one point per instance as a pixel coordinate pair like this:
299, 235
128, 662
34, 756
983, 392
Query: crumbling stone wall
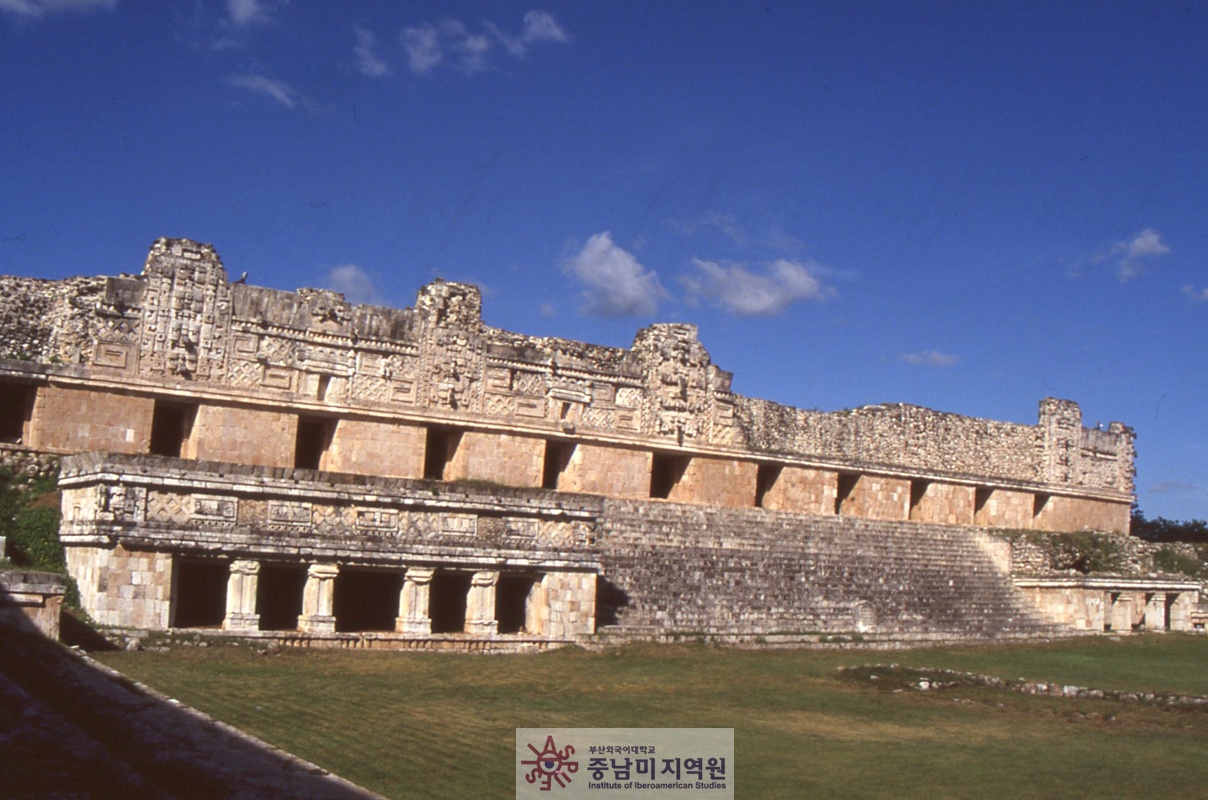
254, 360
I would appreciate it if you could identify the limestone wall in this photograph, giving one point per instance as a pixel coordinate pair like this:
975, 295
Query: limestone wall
32, 601
505, 459
943, 503
370, 447
130, 588
244, 436
131, 522
72, 419
808, 491
256, 358
610, 471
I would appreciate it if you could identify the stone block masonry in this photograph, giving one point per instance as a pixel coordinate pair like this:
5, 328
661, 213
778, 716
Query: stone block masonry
288, 463
179, 361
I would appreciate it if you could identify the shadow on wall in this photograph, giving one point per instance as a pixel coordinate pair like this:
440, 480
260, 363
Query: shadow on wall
73, 728
610, 600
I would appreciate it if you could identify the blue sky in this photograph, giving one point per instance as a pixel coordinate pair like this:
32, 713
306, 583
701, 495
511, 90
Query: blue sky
965, 206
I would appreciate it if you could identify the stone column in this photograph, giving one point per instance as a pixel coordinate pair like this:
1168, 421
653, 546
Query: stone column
480, 604
317, 596
241, 597
413, 614
1122, 613
1155, 612
1180, 611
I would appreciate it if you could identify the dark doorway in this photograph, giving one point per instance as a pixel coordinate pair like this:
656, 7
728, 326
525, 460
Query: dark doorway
447, 601
366, 599
980, 498
918, 490
439, 450
314, 437
171, 426
765, 480
846, 487
557, 456
665, 472
511, 602
279, 590
199, 599
16, 409
1039, 502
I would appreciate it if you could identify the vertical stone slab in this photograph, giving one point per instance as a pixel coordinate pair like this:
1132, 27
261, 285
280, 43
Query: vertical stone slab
317, 599
413, 615
1122, 612
1155, 611
1180, 611
480, 604
567, 605
241, 597
1060, 427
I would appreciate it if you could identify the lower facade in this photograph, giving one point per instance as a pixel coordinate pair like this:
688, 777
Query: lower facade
326, 559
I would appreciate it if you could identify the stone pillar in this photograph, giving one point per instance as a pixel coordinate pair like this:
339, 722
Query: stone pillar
241, 597
1180, 610
480, 604
1155, 612
317, 597
1122, 612
413, 616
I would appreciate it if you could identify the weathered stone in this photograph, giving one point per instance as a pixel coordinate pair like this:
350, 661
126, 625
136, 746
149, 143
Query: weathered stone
293, 463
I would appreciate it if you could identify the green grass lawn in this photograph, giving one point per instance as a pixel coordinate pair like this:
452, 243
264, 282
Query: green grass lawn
425, 725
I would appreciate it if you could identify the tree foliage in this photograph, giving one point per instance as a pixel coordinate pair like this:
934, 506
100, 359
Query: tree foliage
1167, 530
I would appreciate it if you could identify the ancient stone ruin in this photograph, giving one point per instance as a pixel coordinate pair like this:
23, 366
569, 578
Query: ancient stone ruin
291, 466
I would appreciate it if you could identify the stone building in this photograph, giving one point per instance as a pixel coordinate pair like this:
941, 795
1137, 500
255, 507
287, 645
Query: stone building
293, 465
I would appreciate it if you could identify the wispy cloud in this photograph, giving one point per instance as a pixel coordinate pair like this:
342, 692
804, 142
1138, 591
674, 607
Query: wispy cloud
40, 8
712, 221
539, 26
929, 358
355, 283
1196, 295
1173, 487
423, 48
616, 283
451, 42
366, 58
1131, 256
738, 290
249, 12
278, 91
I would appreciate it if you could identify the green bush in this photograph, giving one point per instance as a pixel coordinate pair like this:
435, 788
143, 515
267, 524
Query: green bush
1167, 560
34, 540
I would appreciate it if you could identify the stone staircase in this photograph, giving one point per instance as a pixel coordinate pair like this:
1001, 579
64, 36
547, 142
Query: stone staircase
748, 574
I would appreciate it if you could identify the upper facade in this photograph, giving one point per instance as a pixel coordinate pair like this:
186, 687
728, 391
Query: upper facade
180, 361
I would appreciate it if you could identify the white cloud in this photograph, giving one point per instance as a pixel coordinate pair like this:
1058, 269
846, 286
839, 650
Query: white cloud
929, 358
1130, 255
617, 285
450, 42
366, 59
473, 51
355, 284
279, 91
423, 48
539, 26
718, 221
1196, 295
248, 12
40, 8
738, 290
